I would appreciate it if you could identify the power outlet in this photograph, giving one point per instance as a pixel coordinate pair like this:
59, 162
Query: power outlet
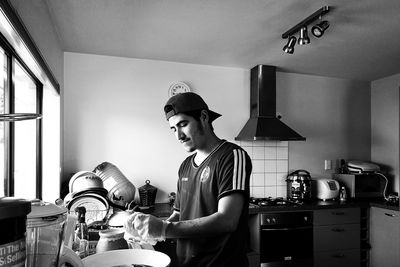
328, 164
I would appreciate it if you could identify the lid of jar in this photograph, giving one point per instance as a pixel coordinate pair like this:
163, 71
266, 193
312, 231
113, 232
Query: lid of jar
147, 186
11, 207
45, 209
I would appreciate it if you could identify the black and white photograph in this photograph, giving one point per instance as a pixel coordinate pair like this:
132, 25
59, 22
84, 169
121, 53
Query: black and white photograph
199, 133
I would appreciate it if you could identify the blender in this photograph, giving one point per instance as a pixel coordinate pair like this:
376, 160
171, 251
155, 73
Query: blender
45, 235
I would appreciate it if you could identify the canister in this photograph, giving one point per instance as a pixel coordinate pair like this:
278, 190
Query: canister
147, 194
13, 214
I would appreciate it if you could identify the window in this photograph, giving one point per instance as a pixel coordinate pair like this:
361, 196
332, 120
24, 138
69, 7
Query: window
29, 149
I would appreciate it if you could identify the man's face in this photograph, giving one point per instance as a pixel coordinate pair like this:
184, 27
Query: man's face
188, 131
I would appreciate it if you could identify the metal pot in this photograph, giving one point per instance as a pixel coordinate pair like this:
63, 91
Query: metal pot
299, 185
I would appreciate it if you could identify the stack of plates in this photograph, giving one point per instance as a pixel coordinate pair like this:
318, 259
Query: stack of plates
361, 167
86, 190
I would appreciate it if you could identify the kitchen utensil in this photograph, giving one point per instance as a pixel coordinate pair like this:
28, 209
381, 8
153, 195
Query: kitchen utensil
13, 214
299, 185
96, 206
120, 190
325, 189
147, 194
45, 239
128, 257
83, 181
111, 239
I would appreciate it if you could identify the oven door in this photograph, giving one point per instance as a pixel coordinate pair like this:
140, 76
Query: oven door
286, 246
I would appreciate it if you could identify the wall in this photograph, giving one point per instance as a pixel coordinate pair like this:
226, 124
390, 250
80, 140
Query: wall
36, 17
385, 126
113, 112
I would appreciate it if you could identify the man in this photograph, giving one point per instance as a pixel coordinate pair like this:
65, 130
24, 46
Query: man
210, 212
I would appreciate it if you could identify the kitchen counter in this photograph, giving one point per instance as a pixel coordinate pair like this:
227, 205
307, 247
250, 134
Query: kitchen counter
319, 204
164, 210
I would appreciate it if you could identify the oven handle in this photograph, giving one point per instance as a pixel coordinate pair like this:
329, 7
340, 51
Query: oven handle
286, 228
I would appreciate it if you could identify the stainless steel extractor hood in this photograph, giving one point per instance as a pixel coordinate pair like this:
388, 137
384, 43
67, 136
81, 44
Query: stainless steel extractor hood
263, 123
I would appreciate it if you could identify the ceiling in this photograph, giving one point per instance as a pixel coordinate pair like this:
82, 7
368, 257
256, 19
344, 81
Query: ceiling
362, 42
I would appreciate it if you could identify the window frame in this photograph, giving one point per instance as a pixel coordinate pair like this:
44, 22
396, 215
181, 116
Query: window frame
13, 56
12, 59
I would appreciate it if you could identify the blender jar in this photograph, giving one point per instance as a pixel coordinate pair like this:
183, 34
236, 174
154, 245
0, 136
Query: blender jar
45, 234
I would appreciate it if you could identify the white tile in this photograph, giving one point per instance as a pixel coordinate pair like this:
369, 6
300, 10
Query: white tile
281, 178
258, 191
258, 179
270, 152
258, 152
270, 143
270, 165
258, 143
246, 143
282, 152
282, 143
258, 166
282, 166
270, 179
281, 191
249, 150
270, 191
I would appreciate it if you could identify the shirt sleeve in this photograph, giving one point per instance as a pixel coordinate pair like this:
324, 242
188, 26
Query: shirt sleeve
234, 172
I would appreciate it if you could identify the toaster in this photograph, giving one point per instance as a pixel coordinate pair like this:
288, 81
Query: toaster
325, 189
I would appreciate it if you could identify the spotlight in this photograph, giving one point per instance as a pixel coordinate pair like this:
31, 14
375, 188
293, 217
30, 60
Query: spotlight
304, 39
319, 29
289, 47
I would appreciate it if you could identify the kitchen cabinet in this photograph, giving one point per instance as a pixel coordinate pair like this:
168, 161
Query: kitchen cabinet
337, 237
384, 237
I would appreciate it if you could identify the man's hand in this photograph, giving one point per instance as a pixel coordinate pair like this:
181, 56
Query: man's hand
148, 227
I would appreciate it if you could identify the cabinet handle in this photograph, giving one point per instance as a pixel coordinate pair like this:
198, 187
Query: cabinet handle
337, 229
338, 213
341, 255
390, 215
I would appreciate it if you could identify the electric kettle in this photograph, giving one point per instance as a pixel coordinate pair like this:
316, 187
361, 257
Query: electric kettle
45, 235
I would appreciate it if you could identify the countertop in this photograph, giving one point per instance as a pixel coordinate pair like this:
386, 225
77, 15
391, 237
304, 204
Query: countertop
164, 210
330, 204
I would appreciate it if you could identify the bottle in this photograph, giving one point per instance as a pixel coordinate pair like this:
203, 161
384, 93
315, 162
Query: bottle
343, 194
82, 233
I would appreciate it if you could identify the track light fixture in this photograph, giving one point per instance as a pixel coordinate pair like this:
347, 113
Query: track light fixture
317, 30
304, 39
289, 47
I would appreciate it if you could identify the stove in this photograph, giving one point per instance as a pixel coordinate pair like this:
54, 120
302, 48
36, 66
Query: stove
270, 202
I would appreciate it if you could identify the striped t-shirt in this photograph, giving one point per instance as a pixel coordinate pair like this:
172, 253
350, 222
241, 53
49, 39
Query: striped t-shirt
226, 170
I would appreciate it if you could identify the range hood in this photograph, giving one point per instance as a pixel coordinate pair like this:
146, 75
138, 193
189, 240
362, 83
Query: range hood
263, 123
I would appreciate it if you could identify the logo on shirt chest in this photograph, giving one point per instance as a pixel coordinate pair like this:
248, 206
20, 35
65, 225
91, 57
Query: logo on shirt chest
205, 174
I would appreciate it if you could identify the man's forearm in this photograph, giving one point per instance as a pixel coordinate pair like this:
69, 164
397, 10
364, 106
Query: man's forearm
215, 223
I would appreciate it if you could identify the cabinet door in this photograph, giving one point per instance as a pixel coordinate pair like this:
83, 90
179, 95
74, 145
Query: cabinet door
333, 237
342, 258
336, 216
384, 237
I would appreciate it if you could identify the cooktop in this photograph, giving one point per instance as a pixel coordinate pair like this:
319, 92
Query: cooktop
269, 201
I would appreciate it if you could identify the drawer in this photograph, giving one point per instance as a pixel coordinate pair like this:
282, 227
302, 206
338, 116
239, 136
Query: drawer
342, 258
332, 237
336, 216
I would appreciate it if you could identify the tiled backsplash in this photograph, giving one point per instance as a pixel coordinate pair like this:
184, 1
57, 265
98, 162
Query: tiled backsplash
270, 167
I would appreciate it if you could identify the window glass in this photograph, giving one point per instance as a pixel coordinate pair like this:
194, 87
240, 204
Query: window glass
25, 96
3, 81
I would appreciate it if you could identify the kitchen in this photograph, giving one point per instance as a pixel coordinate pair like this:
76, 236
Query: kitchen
102, 95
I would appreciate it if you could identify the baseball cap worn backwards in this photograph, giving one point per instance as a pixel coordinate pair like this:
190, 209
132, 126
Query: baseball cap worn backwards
186, 102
